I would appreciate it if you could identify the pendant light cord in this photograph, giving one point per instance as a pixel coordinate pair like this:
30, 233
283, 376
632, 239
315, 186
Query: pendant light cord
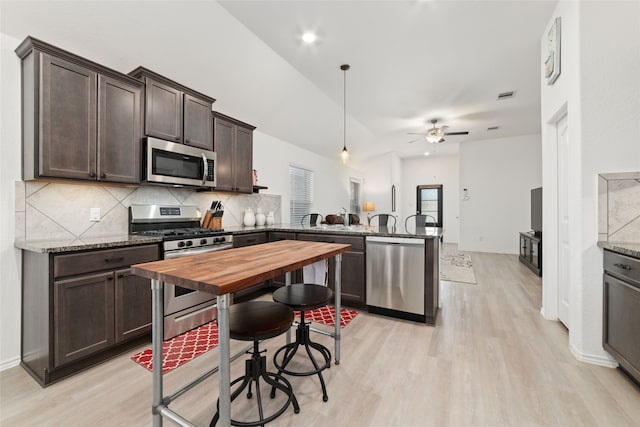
344, 68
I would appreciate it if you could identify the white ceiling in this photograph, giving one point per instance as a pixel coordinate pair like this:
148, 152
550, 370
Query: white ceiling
411, 61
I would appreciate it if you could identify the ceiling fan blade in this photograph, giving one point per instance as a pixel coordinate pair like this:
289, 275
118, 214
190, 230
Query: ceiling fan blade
456, 133
417, 139
443, 128
416, 133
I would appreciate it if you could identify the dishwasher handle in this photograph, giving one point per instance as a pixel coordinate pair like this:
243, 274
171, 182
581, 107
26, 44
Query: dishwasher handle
395, 240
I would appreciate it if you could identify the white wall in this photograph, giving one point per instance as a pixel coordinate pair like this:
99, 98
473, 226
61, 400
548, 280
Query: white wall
10, 258
442, 170
272, 158
380, 174
599, 85
499, 175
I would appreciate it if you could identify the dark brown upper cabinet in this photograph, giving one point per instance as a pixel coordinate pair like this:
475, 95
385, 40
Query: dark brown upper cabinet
233, 144
81, 120
174, 112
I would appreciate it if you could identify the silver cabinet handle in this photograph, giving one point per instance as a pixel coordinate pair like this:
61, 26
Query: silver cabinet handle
622, 266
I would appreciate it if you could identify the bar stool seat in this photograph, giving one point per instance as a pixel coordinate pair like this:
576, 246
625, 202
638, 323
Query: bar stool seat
255, 321
303, 297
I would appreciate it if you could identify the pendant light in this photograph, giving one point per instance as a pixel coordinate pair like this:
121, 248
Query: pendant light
344, 153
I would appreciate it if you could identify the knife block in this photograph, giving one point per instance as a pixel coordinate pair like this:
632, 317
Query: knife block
215, 222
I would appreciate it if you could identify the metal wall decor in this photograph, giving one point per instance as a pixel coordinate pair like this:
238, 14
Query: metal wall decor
552, 62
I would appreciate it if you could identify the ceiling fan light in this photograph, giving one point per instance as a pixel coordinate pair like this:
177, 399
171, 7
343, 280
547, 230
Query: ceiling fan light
433, 137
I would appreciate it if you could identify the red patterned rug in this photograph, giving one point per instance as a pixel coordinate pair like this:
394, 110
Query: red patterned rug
327, 315
183, 348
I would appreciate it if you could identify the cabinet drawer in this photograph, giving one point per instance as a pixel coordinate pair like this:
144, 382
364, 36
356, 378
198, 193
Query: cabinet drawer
87, 262
241, 240
622, 266
357, 243
275, 236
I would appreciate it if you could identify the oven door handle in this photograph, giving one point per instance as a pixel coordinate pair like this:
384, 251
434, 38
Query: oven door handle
189, 252
205, 167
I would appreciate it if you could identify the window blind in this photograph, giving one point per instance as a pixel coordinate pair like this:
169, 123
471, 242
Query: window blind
301, 193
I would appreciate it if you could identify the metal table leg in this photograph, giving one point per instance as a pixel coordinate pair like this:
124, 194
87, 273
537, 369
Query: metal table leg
157, 334
224, 360
287, 282
338, 296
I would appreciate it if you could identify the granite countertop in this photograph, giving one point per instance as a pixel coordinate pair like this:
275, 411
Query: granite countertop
106, 242
82, 244
357, 230
629, 249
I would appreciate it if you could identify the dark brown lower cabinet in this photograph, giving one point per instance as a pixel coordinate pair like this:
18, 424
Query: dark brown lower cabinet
83, 316
296, 276
132, 305
79, 308
621, 311
250, 239
353, 267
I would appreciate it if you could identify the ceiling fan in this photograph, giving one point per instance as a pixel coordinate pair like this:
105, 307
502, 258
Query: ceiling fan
436, 134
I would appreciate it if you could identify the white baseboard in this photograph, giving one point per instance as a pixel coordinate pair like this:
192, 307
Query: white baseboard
7, 364
605, 361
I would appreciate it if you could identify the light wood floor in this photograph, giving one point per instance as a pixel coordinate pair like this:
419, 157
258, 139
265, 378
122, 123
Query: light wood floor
492, 360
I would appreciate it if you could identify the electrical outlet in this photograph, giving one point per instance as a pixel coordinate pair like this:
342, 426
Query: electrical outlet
94, 214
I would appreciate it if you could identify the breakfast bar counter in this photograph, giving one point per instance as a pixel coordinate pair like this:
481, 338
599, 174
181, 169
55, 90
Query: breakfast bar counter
221, 273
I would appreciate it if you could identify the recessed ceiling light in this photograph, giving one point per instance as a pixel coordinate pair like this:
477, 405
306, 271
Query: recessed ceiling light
426, 153
309, 37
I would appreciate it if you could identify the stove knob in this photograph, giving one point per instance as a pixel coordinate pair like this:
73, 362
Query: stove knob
189, 243
203, 241
219, 239
180, 244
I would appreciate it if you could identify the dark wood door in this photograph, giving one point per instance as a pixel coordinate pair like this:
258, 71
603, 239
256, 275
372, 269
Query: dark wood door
83, 316
132, 305
198, 127
163, 111
223, 141
68, 120
119, 130
243, 163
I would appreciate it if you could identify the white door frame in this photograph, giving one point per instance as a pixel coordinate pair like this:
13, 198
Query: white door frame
564, 288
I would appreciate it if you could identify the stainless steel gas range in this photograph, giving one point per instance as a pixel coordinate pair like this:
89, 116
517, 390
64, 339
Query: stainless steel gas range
179, 227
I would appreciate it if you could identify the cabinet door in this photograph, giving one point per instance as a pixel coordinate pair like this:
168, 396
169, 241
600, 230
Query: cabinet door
534, 254
83, 316
353, 282
296, 276
132, 305
621, 328
244, 160
68, 120
524, 246
119, 123
198, 127
163, 111
223, 141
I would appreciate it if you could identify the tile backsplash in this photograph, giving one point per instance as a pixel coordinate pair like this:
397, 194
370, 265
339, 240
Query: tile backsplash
61, 211
619, 207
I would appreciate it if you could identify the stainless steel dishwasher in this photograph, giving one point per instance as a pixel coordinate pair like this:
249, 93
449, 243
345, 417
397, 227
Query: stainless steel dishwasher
396, 277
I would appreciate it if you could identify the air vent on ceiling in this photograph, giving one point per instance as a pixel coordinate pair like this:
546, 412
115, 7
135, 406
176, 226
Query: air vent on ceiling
506, 95
493, 128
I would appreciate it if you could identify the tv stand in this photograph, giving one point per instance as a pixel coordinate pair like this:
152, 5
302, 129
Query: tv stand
531, 251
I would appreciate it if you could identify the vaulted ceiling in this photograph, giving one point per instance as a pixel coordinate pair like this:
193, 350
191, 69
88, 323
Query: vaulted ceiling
411, 61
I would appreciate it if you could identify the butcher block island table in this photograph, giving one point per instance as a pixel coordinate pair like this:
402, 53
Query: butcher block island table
221, 273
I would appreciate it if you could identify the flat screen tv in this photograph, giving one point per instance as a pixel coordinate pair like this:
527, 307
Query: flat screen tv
536, 210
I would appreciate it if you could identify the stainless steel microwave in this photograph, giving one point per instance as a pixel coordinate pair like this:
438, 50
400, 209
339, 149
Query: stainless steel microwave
172, 163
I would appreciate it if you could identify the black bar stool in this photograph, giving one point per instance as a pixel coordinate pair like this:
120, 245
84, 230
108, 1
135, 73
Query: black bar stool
302, 297
255, 321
